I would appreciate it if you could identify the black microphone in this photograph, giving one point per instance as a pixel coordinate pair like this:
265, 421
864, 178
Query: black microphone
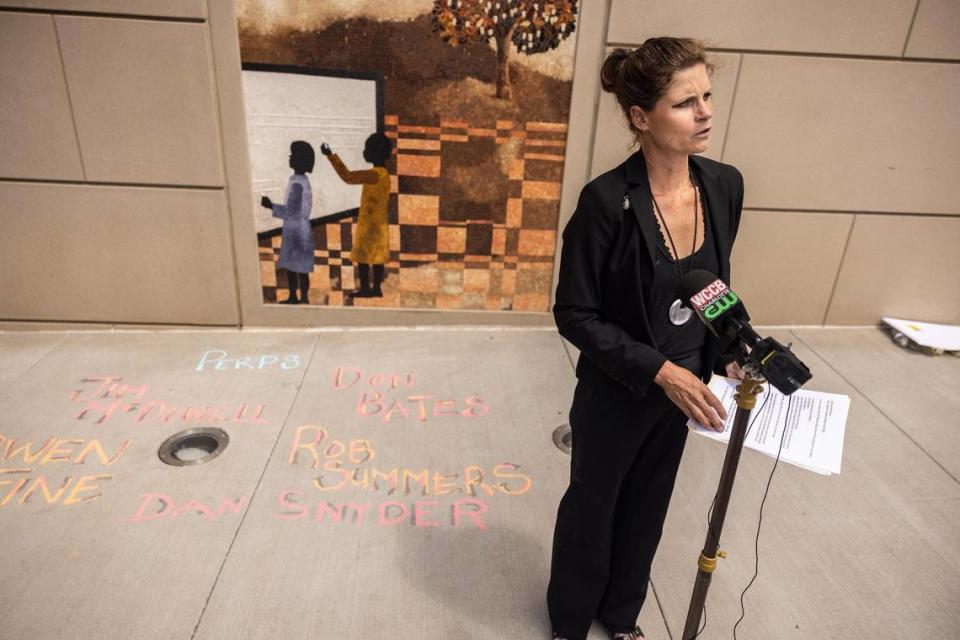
712, 300
723, 312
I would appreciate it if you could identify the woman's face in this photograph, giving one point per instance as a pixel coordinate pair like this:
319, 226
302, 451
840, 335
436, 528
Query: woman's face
678, 119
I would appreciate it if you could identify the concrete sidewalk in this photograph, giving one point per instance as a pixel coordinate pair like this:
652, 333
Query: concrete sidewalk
404, 484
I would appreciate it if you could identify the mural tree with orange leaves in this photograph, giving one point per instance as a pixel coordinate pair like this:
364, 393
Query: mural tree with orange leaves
530, 27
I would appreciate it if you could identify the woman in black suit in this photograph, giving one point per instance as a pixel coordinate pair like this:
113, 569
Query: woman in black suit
644, 360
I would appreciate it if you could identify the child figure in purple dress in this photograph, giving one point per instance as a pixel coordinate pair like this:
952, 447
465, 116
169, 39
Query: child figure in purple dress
296, 240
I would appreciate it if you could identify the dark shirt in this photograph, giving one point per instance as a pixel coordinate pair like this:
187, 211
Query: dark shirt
680, 344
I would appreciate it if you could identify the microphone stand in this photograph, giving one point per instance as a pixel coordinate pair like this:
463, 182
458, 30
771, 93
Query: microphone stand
746, 396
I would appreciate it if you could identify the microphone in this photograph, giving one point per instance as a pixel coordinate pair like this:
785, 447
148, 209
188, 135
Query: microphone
712, 300
724, 314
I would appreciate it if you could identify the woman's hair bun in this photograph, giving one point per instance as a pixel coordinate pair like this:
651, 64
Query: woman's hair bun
611, 69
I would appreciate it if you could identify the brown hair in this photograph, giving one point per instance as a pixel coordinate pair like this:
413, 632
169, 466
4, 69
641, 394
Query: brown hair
641, 77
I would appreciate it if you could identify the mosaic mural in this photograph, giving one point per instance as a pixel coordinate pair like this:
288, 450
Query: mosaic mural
468, 104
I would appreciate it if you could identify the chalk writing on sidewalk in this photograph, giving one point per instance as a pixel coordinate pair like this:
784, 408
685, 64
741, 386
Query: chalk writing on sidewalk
377, 396
420, 513
218, 360
103, 397
311, 444
455, 495
54, 450
347, 466
169, 508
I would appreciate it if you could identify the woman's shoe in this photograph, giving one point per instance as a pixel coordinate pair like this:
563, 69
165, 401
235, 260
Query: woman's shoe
636, 634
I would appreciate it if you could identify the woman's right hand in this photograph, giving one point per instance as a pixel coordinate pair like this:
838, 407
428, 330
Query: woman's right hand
694, 398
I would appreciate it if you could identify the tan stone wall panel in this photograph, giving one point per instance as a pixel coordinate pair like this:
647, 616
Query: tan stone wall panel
167, 8
116, 254
900, 266
588, 57
936, 31
843, 134
861, 27
613, 140
784, 264
143, 100
37, 139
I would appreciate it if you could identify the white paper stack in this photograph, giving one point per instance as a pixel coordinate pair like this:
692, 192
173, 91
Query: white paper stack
928, 334
812, 433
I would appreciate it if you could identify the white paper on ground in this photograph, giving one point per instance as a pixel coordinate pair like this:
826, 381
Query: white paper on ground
927, 334
815, 426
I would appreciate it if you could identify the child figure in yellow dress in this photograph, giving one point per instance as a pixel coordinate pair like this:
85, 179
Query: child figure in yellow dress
371, 241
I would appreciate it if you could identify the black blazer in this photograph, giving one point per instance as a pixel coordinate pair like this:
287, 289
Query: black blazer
607, 263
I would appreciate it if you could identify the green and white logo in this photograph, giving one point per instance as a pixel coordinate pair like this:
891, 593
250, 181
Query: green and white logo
716, 308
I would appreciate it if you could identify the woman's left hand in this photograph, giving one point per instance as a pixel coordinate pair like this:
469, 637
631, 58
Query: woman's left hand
734, 370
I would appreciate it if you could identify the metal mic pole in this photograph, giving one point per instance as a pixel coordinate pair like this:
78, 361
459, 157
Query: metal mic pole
747, 392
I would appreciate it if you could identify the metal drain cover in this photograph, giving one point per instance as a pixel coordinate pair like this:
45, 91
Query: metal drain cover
193, 446
563, 438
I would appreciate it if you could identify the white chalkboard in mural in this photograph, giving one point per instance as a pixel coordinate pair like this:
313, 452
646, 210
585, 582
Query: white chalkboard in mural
284, 106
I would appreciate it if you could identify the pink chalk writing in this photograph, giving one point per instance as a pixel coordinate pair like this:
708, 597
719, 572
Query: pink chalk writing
377, 397
170, 508
419, 513
106, 396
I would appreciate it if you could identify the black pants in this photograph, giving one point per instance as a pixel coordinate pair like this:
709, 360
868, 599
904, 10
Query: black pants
625, 456
293, 278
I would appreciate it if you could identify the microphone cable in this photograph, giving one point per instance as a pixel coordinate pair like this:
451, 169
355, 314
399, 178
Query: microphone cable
766, 396
756, 545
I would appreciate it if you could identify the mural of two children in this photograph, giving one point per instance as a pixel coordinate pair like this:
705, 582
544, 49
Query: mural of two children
371, 246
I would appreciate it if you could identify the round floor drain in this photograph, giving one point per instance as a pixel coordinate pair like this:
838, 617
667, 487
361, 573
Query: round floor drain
193, 446
563, 438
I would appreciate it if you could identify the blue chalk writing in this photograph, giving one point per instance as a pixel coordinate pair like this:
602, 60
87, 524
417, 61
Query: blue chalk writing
219, 360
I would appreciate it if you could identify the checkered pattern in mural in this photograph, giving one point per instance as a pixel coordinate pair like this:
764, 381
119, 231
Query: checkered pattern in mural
473, 222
